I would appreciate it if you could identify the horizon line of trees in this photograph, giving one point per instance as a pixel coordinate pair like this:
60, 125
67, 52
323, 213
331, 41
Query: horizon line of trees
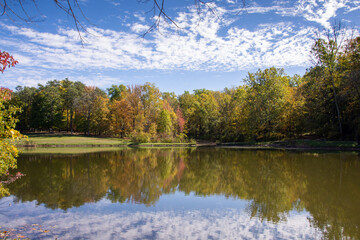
325, 102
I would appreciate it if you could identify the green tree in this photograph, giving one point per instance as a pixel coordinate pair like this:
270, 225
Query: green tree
204, 118
230, 105
164, 124
8, 133
266, 100
151, 103
117, 92
88, 106
100, 116
326, 53
46, 107
70, 91
350, 86
23, 97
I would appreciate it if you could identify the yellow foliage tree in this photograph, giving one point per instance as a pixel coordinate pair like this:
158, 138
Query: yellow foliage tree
8, 134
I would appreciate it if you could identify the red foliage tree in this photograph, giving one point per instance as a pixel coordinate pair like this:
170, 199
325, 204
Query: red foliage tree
181, 120
6, 60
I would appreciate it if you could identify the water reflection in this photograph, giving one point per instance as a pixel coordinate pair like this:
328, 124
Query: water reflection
274, 182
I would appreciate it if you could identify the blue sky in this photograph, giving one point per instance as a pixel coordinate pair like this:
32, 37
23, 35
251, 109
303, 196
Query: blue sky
211, 51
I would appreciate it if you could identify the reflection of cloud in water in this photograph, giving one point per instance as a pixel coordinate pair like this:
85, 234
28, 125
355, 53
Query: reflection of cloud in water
228, 223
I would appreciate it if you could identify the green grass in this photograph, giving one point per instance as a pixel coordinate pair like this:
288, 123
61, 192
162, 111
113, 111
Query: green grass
162, 144
80, 150
72, 140
67, 150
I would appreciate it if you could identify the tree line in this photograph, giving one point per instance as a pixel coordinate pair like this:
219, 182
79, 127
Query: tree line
324, 102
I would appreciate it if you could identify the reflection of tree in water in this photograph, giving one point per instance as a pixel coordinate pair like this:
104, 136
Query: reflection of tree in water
275, 182
268, 179
143, 177
333, 197
61, 182
64, 181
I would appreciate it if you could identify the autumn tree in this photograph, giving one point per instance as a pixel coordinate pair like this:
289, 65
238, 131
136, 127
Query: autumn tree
6, 61
266, 101
230, 107
137, 116
8, 134
70, 91
164, 124
151, 103
180, 120
326, 54
89, 105
120, 118
349, 62
100, 121
203, 122
319, 118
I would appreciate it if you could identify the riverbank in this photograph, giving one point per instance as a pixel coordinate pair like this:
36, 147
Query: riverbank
73, 141
81, 141
299, 144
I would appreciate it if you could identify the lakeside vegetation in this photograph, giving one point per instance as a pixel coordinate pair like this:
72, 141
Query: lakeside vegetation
70, 144
51, 139
65, 140
298, 143
65, 150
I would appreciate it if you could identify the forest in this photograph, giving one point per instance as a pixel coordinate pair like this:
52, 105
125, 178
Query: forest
269, 105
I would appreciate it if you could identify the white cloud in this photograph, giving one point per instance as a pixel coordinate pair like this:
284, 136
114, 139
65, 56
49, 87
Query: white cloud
139, 28
196, 46
214, 43
140, 17
281, 10
320, 11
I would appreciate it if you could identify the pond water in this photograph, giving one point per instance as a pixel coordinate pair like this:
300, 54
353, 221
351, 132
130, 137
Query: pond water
184, 193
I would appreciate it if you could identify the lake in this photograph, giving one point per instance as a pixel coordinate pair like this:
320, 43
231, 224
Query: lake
184, 193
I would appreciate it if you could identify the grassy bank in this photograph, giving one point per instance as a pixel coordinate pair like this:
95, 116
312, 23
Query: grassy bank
66, 150
80, 141
58, 140
63, 140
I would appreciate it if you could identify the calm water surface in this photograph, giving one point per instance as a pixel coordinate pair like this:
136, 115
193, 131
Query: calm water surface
185, 193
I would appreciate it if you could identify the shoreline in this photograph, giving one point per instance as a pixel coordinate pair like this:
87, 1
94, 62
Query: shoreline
299, 148
105, 145
65, 141
209, 145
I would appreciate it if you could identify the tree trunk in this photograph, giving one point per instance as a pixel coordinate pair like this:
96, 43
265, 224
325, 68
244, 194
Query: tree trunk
67, 120
88, 123
71, 121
